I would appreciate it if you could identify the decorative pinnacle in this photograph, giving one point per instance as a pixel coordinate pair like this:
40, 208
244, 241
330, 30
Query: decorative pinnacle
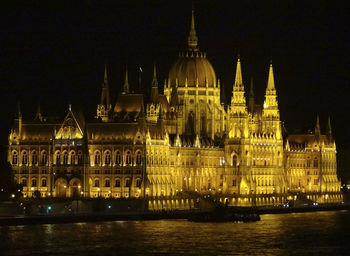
271, 81
329, 127
238, 79
154, 82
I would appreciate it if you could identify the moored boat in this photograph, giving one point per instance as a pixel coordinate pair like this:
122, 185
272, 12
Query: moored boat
224, 215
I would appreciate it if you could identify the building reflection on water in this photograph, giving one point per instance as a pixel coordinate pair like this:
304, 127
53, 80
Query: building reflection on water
320, 233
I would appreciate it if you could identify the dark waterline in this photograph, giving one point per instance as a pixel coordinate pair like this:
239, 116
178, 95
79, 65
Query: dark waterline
317, 233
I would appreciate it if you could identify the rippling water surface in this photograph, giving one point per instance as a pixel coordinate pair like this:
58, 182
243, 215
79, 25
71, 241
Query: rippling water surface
321, 233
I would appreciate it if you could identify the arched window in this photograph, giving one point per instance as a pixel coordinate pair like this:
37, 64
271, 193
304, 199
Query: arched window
127, 183
97, 158
33, 182
43, 157
308, 162
138, 158
234, 160
107, 183
97, 183
72, 157
43, 182
80, 157
128, 157
24, 182
315, 162
24, 158
118, 158
117, 183
34, 158
108, 158
138, 183
65, 158
58, 157
14, 158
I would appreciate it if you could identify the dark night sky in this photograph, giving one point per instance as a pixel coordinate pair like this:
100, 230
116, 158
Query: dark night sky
56, 54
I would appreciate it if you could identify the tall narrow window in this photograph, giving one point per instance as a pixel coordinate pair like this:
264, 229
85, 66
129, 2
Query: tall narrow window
65, 158
24, 158
108, 158
80, 157
34, 158
72, 157
43, 182
58, 157
97, 183
308, 162
24, 182
33, 182
14, 158
127, 183
128, 157
43, 158
138, 183
117, 183
138, 158
107, 183
118, 158
234, 160
315, 162
234, 183
97, 158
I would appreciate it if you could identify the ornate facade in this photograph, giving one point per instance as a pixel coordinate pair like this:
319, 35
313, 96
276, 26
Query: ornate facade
176, 145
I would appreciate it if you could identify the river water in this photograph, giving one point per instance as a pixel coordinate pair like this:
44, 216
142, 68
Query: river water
320, 233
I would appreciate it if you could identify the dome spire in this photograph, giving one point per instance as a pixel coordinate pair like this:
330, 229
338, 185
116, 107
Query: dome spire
192, 40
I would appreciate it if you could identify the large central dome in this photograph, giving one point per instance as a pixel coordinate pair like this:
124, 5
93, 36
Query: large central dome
192, 66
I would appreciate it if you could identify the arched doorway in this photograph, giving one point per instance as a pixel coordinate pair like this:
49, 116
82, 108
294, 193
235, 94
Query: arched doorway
75, 188
61, 187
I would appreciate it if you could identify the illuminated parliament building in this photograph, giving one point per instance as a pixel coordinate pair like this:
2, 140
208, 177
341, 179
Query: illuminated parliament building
175, 146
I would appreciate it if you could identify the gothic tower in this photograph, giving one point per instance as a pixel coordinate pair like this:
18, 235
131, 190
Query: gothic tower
105, 106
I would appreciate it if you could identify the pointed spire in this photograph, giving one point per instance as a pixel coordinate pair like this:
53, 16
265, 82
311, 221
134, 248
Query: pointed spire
238, 79
105, 78
238, 100
105, 97
271, 81
329, 129
192, 40
317, 127
38, 115
154, 90
270, 103
126, 81
154, 82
